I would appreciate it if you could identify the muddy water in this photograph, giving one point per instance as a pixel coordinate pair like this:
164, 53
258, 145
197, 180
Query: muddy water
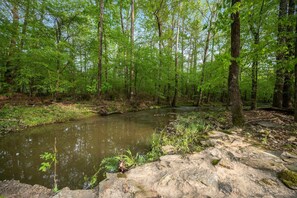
81, 145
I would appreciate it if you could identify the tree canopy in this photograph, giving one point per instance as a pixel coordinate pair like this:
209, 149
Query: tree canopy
165, 50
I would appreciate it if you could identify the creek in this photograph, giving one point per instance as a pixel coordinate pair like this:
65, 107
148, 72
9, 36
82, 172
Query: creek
81, 145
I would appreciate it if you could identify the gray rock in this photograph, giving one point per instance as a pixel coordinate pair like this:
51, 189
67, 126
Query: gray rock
168, 150
289, 157
226, 188
67, 193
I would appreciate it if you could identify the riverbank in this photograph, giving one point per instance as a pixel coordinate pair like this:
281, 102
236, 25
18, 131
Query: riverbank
231, 167
19, 113
257, 160
16, 118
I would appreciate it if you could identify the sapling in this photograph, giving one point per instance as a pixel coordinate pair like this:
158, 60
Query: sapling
50, 158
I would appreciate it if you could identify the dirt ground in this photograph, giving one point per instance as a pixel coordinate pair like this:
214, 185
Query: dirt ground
273, 130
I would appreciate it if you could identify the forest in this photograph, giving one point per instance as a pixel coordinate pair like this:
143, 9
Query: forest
168, 51
205, 93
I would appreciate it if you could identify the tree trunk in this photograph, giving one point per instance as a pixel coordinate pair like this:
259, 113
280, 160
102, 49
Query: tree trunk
279, 81
173, 103
287, 95
200, 92
159, 23
132, 69
234, 93
100, 47
11, 67
24, 29
126, 72
255, 74
255, 30
295, 117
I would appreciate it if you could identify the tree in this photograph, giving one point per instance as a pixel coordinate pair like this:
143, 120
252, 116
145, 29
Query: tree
295, 117
255, 26
11, 65
205, 52
288, 72
132, 69
173, 103
100, 47
279, 82
234, 93
159, 24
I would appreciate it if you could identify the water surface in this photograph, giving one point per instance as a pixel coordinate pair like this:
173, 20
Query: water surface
81, 145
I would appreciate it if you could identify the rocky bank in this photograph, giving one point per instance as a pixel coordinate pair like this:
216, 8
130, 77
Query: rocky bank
231, 167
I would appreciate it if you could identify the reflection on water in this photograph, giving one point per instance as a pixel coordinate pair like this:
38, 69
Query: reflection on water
81, 145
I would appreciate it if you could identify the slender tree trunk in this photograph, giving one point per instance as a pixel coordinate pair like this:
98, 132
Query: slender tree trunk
295, 117
11, 67
255, 30
100, 48
182, 85
195, 69
58, 62
105, 58
234, 93
173, 103
279, 81
200, 92
159, 23
126, 69
132, 69
255, 74
288, 76
24, 29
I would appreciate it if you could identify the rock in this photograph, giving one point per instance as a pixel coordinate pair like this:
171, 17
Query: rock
292, 139
226, 188
268, 181
214, 152
67, 193
262, 164
226, 163
292, 167
146, 194
168, 150
288, 157
242, 171
289, 178
269, 124
13, 188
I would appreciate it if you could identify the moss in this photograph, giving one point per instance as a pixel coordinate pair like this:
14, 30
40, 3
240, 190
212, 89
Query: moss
121, 175
289, 178
215, 161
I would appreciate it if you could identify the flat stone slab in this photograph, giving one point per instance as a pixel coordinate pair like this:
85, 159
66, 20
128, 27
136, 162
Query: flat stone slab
243, 171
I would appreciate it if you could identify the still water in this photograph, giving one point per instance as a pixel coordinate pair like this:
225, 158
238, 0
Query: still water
81, 145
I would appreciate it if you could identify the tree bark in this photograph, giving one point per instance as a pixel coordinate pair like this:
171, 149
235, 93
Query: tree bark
288, 76
295, 117
11, 67
256, 36
100, 47
126, 69
159, 23
200, 92
173, 103
279, 81
132, 69
234, 93
24, 29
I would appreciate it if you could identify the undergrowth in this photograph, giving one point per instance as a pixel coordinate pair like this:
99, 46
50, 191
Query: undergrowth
13, 118
184, 135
